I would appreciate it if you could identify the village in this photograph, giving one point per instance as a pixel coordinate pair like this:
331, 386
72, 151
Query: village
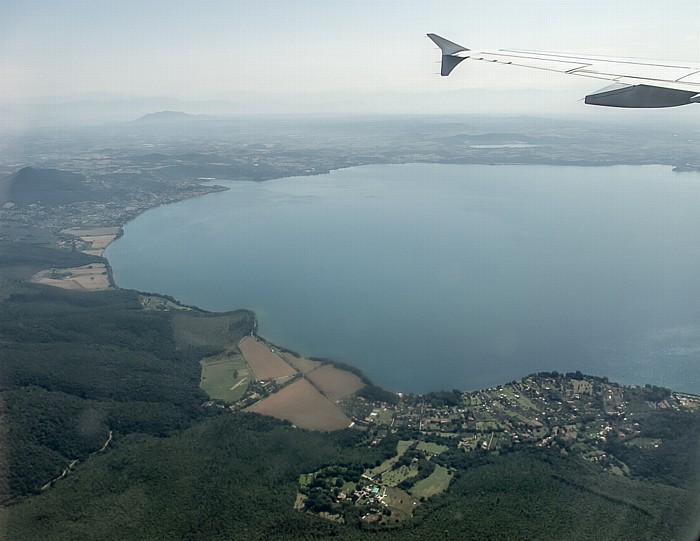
428, 438
569, 413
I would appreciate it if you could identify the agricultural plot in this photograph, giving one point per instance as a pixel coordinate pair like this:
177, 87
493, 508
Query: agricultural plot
225, 377
265, 364
87, 277
435, 483
96, 244
301, 404
335, 383
300, 363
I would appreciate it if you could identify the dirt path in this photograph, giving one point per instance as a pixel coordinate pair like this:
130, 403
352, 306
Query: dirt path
63, 474
72, 465
109, 440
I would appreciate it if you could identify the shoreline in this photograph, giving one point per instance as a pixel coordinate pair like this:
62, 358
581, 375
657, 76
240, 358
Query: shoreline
120, 233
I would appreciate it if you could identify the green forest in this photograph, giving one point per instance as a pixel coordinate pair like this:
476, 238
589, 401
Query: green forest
77, 366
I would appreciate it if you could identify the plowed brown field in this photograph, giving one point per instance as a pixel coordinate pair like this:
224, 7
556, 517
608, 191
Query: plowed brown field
301, 404
336, 383
264, 363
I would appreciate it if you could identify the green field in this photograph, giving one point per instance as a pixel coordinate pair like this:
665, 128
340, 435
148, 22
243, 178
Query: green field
431, 448
401, 448
393, 477
225, 377
435, 483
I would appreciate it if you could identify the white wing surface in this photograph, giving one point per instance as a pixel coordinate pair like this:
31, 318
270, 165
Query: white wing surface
636, 83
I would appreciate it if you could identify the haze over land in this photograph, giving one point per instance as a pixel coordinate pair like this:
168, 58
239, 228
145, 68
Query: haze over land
128, 414
78, 63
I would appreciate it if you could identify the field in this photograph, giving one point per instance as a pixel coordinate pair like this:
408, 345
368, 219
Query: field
435, 483
402, 504
431, 448
97, 243
94, 241
335, 383
88, 277
301, 364
401, 448
225, 377
301, 404
393, 477
262, 361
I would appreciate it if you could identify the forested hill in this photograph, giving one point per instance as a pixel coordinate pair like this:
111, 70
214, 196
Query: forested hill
96, 378
46, 187
20, 261
77, 366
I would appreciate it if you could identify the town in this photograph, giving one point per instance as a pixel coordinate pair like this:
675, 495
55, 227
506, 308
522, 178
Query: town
572, 414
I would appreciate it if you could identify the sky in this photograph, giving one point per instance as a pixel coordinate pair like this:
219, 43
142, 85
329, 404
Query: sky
326, 56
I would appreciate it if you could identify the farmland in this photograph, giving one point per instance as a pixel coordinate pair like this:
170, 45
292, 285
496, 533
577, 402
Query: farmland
301, 404
88, 277
264, 363
300, 363
225, 377
335, 383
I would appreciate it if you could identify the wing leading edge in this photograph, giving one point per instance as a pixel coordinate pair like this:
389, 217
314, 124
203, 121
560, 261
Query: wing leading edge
636, 83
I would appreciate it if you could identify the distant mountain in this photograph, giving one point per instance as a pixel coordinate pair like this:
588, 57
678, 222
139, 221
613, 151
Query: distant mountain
43, 186
490, 139
168, 116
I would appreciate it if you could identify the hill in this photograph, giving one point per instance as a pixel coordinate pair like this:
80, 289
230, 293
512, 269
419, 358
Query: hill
46, 187
168, 116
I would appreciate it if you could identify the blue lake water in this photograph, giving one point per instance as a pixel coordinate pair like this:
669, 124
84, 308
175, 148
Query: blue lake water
432, 276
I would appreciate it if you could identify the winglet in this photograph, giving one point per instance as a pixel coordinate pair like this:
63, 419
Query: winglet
449, 51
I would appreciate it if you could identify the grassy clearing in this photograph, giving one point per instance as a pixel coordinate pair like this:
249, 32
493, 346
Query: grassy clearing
401, 448
487, 426
644, 443
523, 401
225, 377
305, 479
431, 448
384, 415
435, 483
401, 503
393, 477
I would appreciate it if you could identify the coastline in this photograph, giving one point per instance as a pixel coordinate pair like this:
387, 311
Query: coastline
644, 377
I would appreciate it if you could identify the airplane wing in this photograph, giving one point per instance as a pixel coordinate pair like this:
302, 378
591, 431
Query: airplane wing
636, 83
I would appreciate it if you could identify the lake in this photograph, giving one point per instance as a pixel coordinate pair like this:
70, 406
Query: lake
431, 276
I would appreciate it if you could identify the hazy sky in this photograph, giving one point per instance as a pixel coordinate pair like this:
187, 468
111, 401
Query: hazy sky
350, 55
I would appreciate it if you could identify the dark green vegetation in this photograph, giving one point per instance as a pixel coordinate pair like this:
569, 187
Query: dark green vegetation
76, 366
20, 261
234, 477
47, 187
